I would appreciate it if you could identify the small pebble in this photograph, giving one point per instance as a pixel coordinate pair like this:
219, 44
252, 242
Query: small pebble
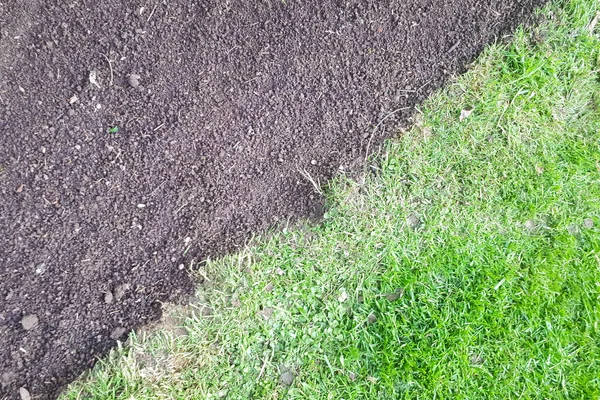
93, 78
314, 162
141, 205
29, 322
108, 297
40, 269
24, 393
134, 80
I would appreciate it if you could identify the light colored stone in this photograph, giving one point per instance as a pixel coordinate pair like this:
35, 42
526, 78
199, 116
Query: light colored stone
29, 322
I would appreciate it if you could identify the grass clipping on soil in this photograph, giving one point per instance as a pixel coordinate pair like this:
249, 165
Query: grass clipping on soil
467, 267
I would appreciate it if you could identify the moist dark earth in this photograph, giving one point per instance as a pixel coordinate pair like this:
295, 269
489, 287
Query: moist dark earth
139, 137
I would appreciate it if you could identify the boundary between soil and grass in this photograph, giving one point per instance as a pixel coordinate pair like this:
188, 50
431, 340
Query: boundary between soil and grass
467, 265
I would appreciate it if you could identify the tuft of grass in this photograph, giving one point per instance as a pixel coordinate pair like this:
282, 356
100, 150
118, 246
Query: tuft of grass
467, 267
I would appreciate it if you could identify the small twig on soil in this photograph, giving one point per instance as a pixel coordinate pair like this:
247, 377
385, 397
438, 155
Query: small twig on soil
305, 174
181, 208
423, 85
262, 369
250, 80
152, 13
201, 273
454, 47
158, 127
111, 68
377, 126
156, 189
494, 11
232, 49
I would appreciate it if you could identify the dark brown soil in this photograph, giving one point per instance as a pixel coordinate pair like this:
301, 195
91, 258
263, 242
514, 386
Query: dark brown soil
219, 106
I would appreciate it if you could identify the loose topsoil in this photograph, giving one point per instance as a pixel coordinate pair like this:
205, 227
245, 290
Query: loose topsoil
137, 136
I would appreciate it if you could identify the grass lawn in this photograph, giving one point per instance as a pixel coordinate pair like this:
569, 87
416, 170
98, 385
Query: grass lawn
467, 266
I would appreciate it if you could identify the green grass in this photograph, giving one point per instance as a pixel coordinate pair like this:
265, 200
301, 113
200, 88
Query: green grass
465, 268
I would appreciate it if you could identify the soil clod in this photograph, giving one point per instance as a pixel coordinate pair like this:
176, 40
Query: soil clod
118, 333
121, 290
395, 295
266, 313
573, 229
476, 359
531, 225
371, 319
7, 378
413, 221
287, 375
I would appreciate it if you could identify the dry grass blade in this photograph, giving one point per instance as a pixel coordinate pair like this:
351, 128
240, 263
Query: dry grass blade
316, 184
594, 22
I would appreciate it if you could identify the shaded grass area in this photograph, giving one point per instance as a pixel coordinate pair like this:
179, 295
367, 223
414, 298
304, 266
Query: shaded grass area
467, 266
